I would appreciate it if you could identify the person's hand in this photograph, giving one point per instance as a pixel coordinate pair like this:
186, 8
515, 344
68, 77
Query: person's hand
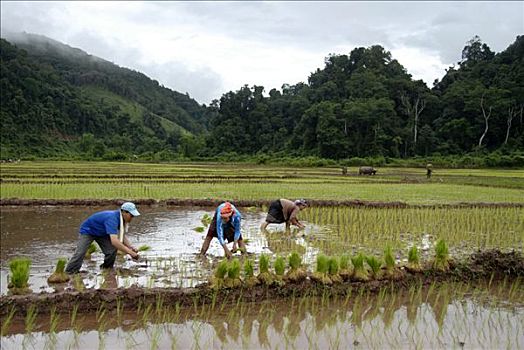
234, 249
134, 249
228, 253
135, 256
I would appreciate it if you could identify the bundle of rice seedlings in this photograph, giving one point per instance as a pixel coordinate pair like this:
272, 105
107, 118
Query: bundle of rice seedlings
144, 248
414, 260
375, 265
19, 277
206, 220
391, 271
233, 274
217, 281
344, 271
90, 250
199, 229
280, 268
441, 261
264, 275
296, 273
320, 275
249, 275
59, 276
359, 271
333, 268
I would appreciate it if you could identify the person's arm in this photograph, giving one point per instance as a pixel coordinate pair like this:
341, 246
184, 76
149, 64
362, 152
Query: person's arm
220, 236
120, 246
128, 244
236, 224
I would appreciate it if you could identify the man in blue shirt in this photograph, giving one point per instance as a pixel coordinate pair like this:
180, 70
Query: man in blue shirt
104, 228
225, 226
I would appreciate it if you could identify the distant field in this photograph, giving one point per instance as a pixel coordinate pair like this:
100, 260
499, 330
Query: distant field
112, 180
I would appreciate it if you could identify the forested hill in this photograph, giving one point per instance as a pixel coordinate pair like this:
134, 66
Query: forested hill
365, 104
58, 100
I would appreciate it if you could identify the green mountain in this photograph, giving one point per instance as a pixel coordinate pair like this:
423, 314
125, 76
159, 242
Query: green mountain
59, 100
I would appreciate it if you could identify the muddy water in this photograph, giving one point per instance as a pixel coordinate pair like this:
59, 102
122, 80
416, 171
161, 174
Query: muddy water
449, 315
45, 234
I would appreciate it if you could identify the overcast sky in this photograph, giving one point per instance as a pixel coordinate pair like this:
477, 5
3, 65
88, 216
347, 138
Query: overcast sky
210, 48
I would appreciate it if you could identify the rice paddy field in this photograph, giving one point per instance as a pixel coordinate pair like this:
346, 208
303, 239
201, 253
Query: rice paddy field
172, 298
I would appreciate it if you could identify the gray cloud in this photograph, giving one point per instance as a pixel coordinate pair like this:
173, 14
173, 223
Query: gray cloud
203, 47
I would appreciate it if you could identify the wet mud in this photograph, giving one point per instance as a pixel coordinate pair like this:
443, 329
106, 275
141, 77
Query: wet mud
493, 265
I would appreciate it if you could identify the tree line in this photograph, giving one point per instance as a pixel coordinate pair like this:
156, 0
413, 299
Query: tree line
59, 101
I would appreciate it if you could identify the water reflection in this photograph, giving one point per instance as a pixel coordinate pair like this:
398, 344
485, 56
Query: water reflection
448, 315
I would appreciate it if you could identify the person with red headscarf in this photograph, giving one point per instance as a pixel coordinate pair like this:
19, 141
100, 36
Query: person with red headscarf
225, 226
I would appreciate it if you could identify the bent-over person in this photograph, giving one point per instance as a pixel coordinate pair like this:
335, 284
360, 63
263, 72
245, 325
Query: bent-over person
283, 210
104, 227
225, 226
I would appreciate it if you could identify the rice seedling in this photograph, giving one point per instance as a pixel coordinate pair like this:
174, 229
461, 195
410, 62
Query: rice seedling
375, 264
144, 248
414, 260
233, 274
249, 274
345, 272
59, 276
296, 273
264, 275
359, 271
333, 269
322, 269
90, 250
280, 268
391, 271
441, 261
206, 220
19, 277
199, 229
217, 281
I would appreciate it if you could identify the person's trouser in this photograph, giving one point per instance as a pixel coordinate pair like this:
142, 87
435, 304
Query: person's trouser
104, 242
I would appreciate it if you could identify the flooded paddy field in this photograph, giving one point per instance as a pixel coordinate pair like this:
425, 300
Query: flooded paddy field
175, 236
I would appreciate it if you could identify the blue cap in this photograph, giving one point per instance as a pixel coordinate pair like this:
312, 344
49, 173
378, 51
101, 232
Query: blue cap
131, 208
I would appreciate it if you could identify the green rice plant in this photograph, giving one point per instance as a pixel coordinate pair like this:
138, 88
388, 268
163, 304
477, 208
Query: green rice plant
441, 261
391, 271
264, 275
199, 229
280, 266
19, 276
296, 273
59, 276
206, 220
249, 275
333, 269
91, 249
217, 281
359, 271
414, 259
233, 274
345, 272
375, 264
144, 248
322, 269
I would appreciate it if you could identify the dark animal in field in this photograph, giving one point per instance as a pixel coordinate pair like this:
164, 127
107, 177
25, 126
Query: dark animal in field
367, 170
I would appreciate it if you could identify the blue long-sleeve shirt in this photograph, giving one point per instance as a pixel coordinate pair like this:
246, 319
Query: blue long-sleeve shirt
234, 221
